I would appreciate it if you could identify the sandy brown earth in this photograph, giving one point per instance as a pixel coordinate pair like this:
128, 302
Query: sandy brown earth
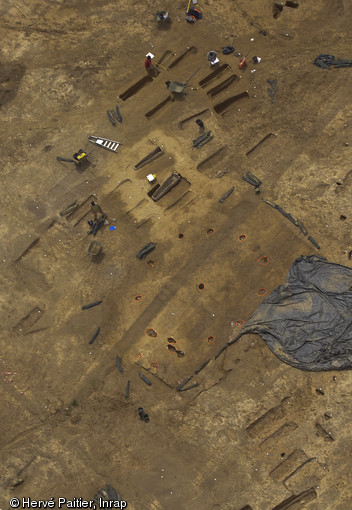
254, 431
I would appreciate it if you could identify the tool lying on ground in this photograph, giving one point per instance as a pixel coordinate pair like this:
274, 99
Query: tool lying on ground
164, 60
162, 67
105, 143
287, 35
243, 62
261, 31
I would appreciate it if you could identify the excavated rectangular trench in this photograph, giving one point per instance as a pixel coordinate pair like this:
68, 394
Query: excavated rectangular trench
213, 160
268, 139
278, 8
158, 107
165, 56
136, 88
191, 49
224, 105
222, 86
203, 114
215, 74
29, 320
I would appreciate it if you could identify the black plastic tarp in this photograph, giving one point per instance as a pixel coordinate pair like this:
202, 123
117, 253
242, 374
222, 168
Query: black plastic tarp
307, 321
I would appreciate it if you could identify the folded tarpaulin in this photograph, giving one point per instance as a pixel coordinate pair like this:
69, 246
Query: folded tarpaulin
325, 61
307, 321
227, 50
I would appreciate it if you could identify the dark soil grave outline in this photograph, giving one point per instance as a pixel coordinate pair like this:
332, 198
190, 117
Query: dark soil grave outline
28, 249
139, 204
78, 210
180, 201
28, 321
195, 116
190, 49
10, 80
209, 161
281, 471
165, 56
267, 138
293, 501
125, 181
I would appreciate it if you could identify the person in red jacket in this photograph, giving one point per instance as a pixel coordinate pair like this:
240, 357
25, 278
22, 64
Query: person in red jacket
148, 63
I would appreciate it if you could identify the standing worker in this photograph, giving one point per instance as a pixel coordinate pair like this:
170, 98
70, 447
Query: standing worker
151, 70
148, 64
95, 208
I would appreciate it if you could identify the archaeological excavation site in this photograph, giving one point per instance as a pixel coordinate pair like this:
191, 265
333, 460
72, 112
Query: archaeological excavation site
176, 254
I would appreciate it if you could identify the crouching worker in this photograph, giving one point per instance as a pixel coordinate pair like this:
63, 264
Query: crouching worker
162, 16
96, 209
79, 156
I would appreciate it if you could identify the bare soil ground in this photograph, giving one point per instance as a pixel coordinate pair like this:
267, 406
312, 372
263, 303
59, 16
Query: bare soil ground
254, 431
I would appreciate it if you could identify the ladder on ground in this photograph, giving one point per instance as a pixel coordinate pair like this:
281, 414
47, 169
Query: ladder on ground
110, 145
